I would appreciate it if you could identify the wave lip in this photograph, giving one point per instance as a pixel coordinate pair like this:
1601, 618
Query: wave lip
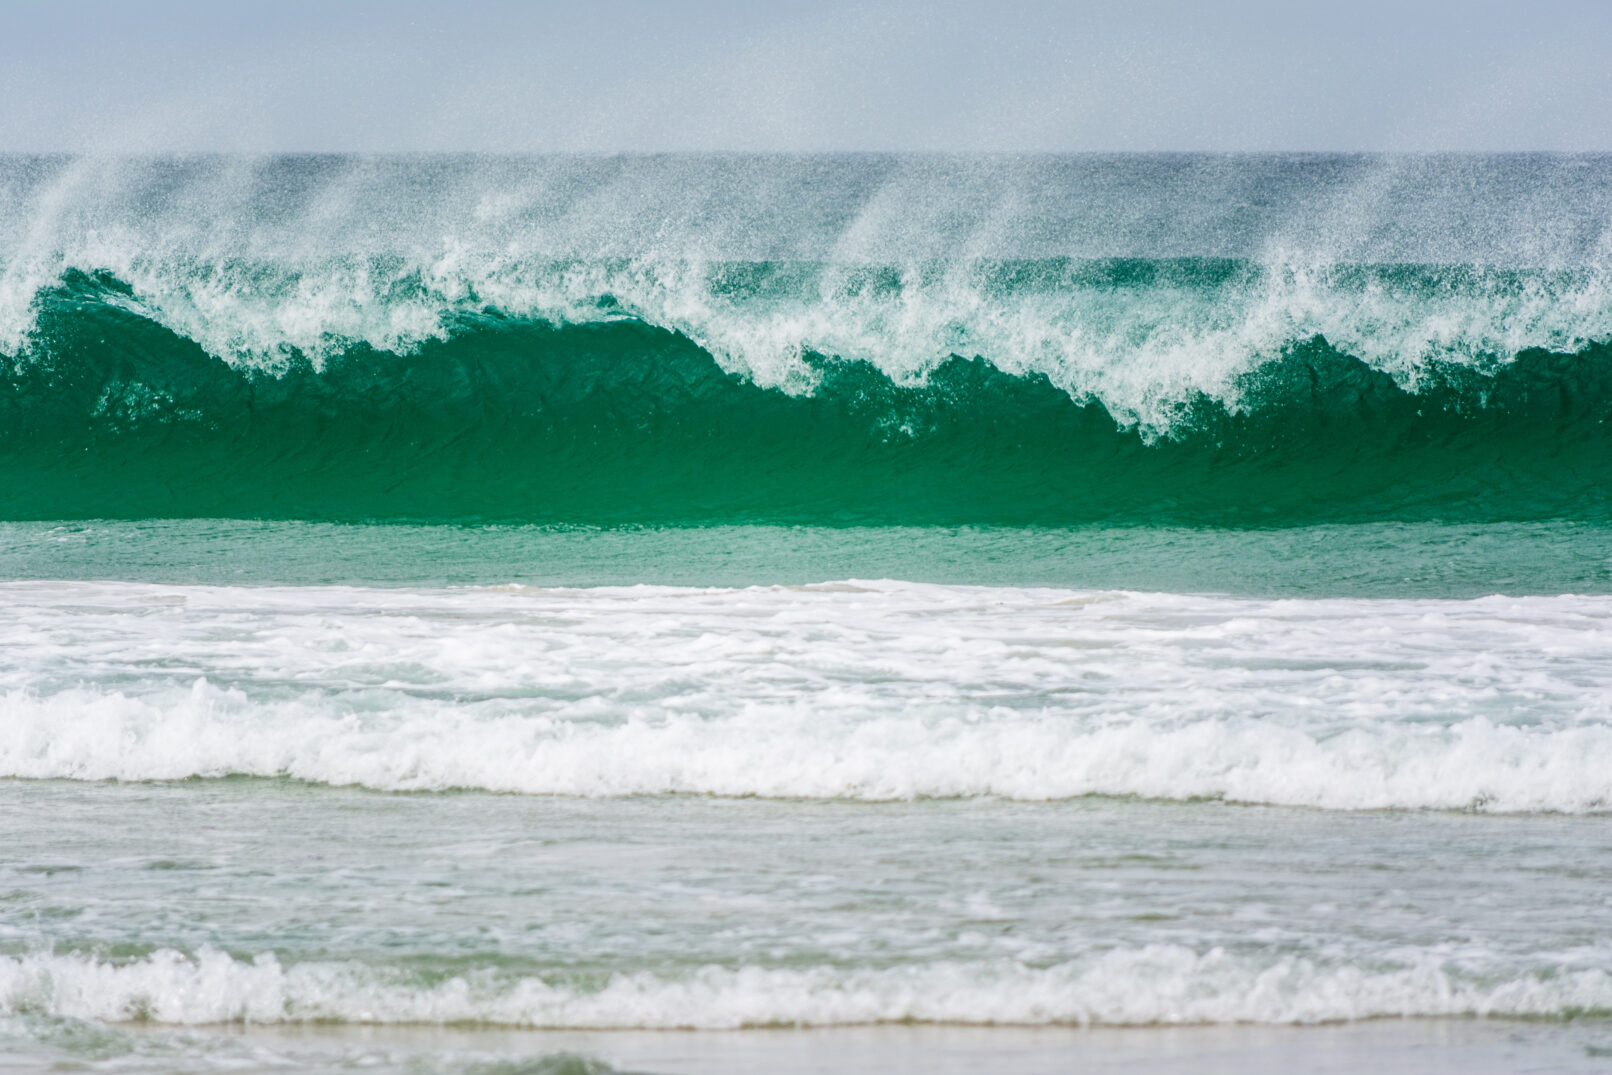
1155, 985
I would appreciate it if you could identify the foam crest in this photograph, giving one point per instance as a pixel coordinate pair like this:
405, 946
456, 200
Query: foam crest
1157, 984
805, 753
1123, 280
1145, 340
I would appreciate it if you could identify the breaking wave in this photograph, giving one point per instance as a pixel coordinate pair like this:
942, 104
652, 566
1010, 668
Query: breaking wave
1156, 985
1042, 393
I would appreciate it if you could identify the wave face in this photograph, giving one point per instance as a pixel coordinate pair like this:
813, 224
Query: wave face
1195, 340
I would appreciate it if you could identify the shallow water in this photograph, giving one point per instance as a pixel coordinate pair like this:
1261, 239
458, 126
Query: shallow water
1419, 560
272, 902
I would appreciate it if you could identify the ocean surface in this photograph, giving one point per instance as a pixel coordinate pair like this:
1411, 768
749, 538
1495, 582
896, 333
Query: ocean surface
875, 613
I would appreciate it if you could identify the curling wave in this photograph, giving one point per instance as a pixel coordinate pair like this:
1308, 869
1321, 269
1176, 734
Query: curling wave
624, 413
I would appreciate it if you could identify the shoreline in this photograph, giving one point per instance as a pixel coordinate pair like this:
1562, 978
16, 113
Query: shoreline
1384, 1046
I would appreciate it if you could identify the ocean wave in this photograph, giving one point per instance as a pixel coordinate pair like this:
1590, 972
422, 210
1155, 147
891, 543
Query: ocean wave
1155, 985
811, 340
507, 417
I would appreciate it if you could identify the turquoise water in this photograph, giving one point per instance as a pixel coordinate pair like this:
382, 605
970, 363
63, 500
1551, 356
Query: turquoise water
1348, 560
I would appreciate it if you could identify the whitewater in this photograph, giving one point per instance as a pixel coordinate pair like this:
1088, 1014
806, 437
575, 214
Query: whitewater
464, 607
851, 690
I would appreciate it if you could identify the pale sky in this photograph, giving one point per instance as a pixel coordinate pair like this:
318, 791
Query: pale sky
964, 76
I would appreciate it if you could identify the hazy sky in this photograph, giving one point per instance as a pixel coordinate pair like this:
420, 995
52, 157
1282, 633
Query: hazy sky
630, 75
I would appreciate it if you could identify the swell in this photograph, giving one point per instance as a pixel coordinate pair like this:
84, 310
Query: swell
112, 414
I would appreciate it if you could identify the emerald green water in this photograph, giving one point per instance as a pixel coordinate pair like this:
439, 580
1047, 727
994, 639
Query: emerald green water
113, 415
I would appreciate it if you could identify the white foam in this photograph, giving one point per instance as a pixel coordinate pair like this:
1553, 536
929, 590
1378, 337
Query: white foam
858, 691
803, 753
1157, 984
1143, 353
360, 256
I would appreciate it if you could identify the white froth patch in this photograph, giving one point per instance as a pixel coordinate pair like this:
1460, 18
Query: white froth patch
874, 691
804, 754
1158, 984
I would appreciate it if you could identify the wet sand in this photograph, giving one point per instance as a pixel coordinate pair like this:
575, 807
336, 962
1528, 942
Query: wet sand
1382, 1047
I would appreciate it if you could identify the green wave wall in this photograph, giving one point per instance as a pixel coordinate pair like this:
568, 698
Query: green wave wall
507, 419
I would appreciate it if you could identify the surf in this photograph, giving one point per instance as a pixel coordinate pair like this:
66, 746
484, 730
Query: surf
859, 690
